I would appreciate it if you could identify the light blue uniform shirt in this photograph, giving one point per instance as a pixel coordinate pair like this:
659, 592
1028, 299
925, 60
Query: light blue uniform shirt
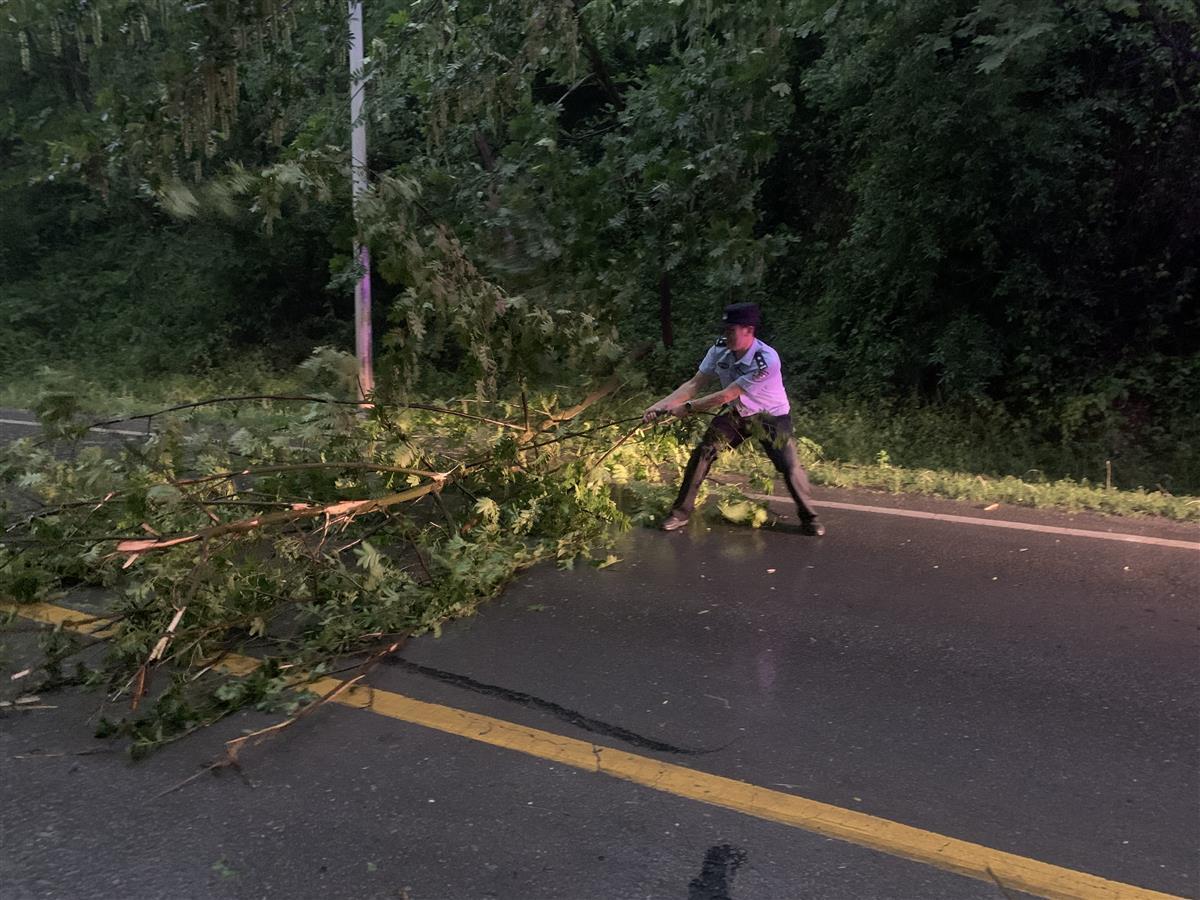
757, 372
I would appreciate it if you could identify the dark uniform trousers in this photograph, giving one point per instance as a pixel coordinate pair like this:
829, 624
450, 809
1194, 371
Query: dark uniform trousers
729, 430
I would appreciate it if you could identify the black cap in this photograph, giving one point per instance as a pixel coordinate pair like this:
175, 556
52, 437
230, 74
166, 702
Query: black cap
742, 314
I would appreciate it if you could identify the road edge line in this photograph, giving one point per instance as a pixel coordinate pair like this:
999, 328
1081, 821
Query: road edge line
992, 523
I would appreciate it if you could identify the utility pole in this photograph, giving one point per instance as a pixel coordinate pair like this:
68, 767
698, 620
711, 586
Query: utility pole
358, 165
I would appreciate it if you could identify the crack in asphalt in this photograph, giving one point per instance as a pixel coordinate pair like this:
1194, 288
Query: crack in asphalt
573, 717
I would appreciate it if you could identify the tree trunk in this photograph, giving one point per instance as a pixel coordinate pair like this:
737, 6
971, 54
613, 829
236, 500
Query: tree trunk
363, 341
664, 309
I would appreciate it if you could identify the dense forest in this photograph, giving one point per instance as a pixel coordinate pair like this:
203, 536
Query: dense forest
979, 214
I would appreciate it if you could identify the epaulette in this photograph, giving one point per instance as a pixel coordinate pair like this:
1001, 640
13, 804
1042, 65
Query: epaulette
721, 342
760, 363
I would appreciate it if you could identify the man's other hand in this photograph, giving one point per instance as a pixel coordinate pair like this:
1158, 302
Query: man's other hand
654, 412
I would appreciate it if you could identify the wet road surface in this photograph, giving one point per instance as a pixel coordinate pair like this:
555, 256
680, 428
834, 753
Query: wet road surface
1032, 693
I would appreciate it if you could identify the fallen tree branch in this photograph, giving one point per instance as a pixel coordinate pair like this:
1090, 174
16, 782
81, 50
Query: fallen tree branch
224, 476
233, 747
341, 509
484, 460
613, 448
308, 466
281, 578
286, 398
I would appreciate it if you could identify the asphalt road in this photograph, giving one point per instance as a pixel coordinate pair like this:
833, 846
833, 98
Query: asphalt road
19, 423
1028, 691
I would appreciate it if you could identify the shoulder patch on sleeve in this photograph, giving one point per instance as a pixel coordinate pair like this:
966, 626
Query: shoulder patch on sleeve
760, 366
720, 342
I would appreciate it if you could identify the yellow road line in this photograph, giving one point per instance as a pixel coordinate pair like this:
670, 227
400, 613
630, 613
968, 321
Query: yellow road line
70, 619
962, 857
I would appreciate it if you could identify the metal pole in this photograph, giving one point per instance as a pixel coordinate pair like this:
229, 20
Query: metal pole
358, 165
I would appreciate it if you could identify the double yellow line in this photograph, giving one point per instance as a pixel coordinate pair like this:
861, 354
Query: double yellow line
1007, 870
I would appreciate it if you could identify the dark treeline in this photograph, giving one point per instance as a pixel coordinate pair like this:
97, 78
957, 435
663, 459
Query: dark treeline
985, 212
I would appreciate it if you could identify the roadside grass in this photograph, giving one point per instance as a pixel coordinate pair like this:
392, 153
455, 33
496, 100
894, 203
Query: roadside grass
751, 466
984, 438
754, 472
1065, 494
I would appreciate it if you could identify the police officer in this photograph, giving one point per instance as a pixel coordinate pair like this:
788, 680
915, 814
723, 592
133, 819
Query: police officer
755, 404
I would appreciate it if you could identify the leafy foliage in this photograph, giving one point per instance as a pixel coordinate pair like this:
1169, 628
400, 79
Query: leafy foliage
328, 537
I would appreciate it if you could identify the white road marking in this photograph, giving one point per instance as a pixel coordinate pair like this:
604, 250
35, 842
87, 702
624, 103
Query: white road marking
996, 523
29, 424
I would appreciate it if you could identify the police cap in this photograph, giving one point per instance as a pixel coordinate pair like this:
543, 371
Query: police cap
742, 314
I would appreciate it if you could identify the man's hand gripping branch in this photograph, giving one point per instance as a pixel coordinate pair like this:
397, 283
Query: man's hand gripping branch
680, 402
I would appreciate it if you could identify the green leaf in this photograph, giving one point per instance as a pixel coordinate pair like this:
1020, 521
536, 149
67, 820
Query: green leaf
743, 512
165, 495
1130, 8
488, 510
224, 869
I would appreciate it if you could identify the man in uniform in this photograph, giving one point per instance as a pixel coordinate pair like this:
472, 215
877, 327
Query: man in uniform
755, 404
